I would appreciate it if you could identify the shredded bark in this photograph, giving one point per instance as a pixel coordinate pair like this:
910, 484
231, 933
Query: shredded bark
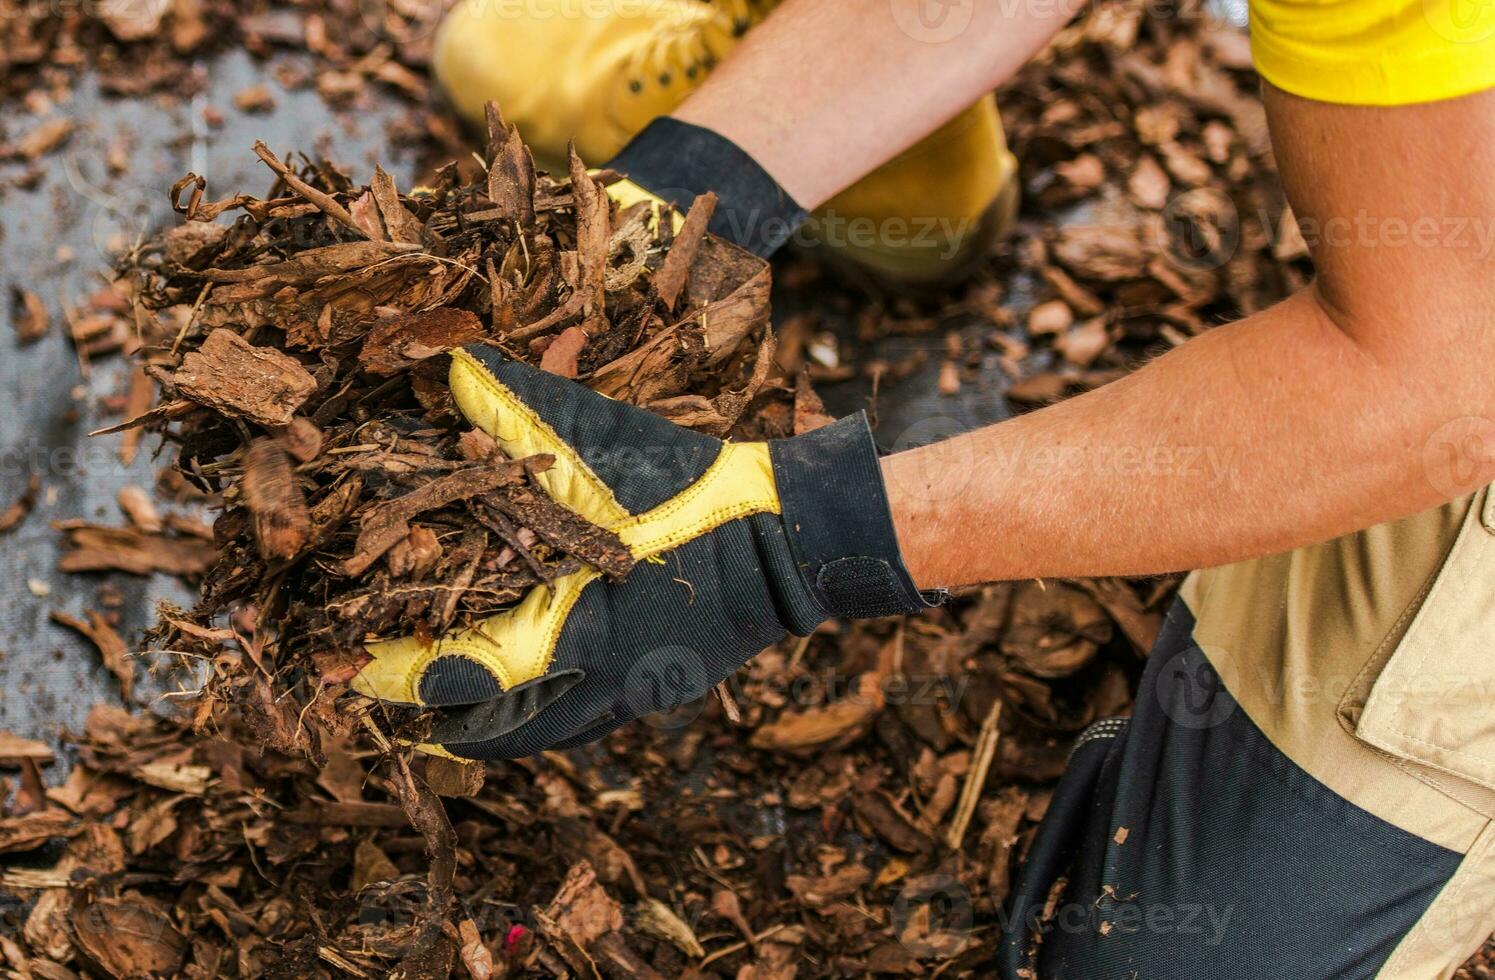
243, 381
863, 811
110, 644
282, 524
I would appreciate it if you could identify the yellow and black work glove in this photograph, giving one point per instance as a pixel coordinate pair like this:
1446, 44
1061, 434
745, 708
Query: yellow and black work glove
675, 161
737, 544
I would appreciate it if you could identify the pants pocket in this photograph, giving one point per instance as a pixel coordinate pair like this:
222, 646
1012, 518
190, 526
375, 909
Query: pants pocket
1429, 702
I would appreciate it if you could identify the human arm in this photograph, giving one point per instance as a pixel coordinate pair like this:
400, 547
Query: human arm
1316, 417
1348, 404
1319, 416
821, 94
1332, 411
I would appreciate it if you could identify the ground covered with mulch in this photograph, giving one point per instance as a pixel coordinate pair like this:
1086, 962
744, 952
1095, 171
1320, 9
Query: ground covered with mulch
852, 802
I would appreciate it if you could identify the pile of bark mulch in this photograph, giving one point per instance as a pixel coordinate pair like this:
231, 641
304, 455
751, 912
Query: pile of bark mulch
275, 827
852, 803
301, 358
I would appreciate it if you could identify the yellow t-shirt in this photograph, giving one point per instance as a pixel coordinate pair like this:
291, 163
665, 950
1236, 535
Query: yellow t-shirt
1375, 52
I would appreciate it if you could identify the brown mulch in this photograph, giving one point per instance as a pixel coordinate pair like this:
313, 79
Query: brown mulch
852, 803
300, 354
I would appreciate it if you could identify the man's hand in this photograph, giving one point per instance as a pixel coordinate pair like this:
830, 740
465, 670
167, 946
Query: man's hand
736, 544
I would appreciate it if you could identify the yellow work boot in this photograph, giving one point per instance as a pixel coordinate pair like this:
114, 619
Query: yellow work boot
561, 70
929, 213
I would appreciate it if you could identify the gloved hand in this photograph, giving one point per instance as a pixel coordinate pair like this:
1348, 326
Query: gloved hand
675, 162
738, 543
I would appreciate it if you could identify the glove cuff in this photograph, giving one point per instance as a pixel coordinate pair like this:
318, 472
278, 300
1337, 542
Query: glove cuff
840, 526
679, 161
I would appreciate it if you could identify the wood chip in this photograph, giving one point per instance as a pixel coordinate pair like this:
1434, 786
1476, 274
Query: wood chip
29, 314
238, 379
387, 523
14, 748
397, 343
669, 282
561, 356
282, 524
110, 644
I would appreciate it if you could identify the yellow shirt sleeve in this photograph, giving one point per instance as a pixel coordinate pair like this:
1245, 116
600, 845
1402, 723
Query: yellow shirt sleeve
1375, 52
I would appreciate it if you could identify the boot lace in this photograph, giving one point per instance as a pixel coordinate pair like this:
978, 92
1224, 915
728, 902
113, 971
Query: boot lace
688, 46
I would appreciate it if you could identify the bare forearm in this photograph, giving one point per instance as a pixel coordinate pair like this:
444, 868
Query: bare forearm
823, 93
1271, 433
1363, 399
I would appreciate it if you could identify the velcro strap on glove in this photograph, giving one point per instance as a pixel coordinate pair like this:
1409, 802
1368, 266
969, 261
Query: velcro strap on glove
839, 523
